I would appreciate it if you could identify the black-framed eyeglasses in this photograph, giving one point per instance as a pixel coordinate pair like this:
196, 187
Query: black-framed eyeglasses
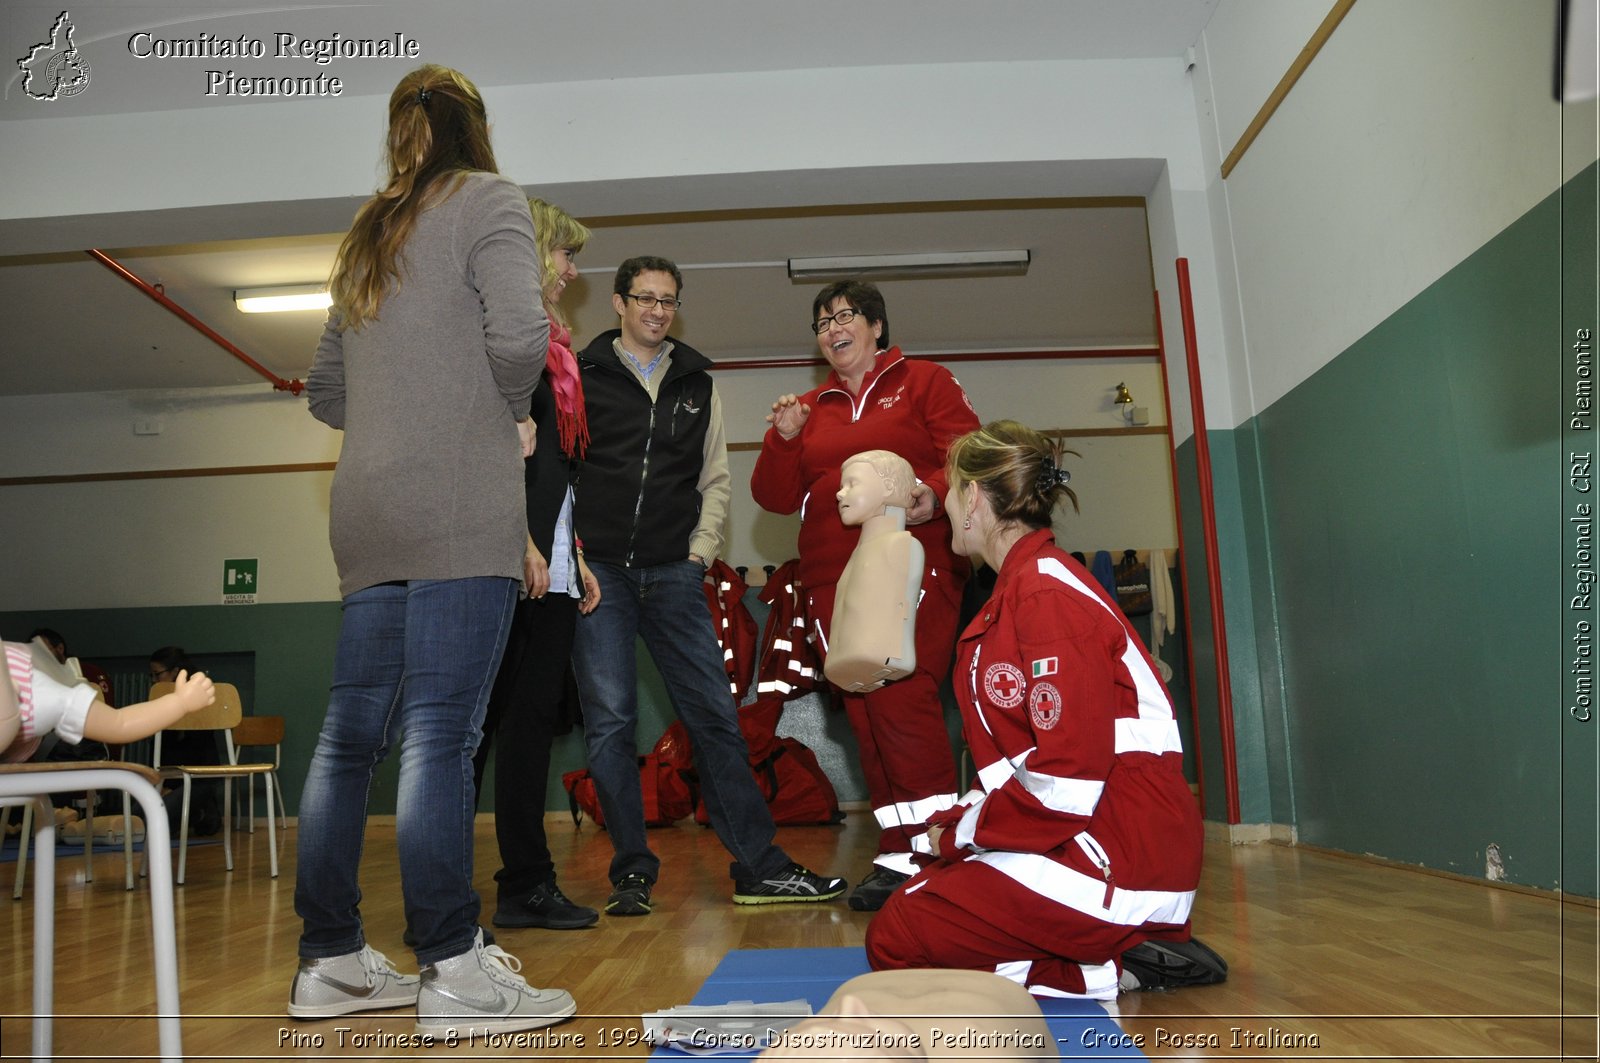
843, 317
650, 302
160, 675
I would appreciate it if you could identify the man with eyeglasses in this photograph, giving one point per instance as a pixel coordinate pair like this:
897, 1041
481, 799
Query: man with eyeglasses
650, 502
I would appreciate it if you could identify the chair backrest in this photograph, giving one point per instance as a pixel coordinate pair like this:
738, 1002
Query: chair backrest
260, 731
223, 715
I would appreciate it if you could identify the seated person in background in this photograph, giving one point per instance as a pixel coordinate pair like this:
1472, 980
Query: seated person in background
38, 695
922, 1015
875, 608
188, 747
1081, 841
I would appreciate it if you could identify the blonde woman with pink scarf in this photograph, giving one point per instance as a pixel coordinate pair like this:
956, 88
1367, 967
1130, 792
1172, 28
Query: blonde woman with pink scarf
526, 708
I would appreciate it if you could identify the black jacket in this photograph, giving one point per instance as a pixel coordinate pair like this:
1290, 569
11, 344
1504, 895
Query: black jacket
637, 494
547, 472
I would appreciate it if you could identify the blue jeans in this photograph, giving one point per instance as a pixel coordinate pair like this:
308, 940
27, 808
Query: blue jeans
665, 606
417, 660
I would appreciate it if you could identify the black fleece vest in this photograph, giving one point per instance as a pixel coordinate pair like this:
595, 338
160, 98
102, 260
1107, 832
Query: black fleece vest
637, 499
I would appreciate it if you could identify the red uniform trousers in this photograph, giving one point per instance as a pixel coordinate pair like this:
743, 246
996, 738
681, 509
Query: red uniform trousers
906, 759
921, 928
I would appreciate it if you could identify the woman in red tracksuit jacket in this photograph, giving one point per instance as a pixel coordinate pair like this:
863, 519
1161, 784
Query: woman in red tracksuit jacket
876, 399
1081, 839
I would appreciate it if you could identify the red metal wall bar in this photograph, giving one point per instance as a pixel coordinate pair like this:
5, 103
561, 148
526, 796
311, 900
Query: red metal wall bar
1208, 520
294, 387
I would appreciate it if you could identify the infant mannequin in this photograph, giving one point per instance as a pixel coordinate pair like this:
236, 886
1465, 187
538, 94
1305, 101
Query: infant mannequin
922, 1014
39, 695
873, 633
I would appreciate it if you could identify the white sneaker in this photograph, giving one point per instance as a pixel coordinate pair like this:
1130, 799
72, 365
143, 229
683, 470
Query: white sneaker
480, 991
356, 981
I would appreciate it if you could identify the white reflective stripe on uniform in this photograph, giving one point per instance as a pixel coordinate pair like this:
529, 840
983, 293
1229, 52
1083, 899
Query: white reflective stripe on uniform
899, 862
1148, 736
1099, 980
993, 776
1016, 971
1058, 884
977, 702
967, 827
1153, 703
921, 844
912, 813
773, 686
782, 644
822, 640
1074, 797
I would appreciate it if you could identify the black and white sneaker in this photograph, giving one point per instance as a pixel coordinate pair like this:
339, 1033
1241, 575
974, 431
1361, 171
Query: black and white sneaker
791, 885
630, 897
875, 889
1171, 965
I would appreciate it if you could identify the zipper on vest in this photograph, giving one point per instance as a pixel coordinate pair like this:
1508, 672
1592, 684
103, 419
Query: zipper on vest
644, 477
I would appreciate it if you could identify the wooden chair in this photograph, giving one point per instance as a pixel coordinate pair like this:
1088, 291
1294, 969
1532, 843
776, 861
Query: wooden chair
29, 785
224, 715
260, 732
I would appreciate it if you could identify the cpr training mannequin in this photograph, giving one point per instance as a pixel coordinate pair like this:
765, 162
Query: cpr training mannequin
873, 633
922, 1014
38, 695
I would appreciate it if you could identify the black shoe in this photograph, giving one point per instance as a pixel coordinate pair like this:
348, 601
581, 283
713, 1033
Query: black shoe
1172, 965
544, 906
630, 897
411, 939
792, 885
875, 888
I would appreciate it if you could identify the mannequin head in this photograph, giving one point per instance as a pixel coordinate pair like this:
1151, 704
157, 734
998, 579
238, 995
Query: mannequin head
870, 481
922, 1014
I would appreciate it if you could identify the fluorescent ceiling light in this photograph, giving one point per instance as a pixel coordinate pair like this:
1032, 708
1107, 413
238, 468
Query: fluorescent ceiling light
278, 300
927, 264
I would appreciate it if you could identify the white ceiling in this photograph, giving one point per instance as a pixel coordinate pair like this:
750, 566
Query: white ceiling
67, 324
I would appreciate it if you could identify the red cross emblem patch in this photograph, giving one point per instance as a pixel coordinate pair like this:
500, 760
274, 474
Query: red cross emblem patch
1004, 684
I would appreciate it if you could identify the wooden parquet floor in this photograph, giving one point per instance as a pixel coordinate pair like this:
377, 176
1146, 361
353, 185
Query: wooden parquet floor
1331, 958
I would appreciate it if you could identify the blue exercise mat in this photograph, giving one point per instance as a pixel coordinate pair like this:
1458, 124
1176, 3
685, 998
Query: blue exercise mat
1081, 1027
64, 850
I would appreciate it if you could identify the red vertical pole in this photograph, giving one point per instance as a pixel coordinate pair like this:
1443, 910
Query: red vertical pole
1208, 520
1177, 512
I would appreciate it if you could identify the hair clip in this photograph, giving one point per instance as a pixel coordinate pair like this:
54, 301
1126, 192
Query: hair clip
1050, 476
424, 95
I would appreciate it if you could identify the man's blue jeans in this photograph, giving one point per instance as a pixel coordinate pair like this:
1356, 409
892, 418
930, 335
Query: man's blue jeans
415, 660
665, 605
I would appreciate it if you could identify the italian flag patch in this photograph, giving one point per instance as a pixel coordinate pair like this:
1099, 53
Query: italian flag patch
1044, 666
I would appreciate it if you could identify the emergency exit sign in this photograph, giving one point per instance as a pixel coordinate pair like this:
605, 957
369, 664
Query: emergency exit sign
241, 580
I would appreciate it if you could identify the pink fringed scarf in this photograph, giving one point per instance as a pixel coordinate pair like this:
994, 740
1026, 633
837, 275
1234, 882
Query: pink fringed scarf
567, 385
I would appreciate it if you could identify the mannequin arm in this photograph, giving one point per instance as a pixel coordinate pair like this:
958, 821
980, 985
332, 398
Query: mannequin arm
121, 726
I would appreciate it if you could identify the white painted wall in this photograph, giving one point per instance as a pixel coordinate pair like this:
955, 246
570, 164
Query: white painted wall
979, 130
587, 133
1422, 129
154, 542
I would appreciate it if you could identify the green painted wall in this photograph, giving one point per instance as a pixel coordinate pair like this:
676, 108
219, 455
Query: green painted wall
1398, 558
1580, 723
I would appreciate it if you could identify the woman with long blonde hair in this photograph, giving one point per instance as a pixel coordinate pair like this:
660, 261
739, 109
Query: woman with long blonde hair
525, 710
427, 363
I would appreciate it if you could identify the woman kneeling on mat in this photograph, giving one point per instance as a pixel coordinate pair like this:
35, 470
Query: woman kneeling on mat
1081, 839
